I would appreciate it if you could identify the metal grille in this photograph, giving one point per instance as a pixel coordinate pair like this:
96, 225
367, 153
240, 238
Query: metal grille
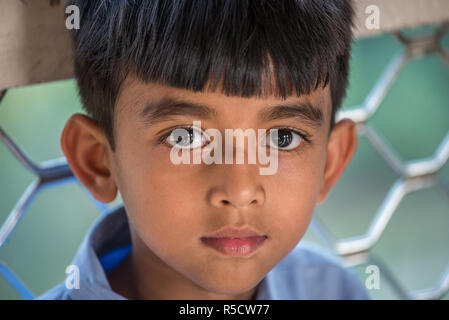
413, 175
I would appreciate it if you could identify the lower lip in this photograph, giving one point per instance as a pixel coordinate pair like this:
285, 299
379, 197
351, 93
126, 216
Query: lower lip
235, 247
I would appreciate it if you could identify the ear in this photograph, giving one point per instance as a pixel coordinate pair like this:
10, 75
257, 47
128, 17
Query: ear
341, 147
88, 153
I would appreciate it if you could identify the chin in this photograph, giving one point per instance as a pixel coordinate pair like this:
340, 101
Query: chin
234, 283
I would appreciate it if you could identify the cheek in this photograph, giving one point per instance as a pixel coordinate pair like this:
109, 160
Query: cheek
302, 173
294, 189
162, 198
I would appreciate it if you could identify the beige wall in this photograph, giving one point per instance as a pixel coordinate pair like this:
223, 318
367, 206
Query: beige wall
34, 44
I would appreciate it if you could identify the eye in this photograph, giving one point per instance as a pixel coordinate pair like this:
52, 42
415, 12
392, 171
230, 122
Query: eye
286, 139
186, 138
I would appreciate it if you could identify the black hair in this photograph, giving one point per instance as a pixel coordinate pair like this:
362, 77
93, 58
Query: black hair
191, 43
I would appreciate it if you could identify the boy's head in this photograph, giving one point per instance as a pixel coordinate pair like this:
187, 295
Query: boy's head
146, 68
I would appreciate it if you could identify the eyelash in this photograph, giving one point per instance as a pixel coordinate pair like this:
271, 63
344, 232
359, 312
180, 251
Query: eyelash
304, 136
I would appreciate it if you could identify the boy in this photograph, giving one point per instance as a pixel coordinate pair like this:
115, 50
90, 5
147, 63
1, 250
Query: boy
146, 71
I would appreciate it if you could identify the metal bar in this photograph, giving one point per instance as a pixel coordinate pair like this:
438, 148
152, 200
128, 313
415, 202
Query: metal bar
15, 282
18, 211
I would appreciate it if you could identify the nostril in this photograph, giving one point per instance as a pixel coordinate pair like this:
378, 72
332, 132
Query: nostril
225, 202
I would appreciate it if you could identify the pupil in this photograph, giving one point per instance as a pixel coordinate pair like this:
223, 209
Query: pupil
187, 141
284, 138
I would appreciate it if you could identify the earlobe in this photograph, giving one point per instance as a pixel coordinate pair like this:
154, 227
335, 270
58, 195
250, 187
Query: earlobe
341, 148
86, 150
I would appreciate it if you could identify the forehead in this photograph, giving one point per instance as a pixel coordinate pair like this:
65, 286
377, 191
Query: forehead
145, 100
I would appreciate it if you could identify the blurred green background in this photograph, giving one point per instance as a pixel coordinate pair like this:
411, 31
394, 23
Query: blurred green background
414, 118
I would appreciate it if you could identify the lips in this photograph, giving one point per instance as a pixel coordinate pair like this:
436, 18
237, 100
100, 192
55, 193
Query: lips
235, 242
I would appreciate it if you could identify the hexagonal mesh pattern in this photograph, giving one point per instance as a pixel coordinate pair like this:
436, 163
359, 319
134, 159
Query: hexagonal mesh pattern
413, 175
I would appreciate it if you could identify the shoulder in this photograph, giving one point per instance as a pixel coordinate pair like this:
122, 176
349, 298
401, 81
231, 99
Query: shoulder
58, 292
309, 272
86, 291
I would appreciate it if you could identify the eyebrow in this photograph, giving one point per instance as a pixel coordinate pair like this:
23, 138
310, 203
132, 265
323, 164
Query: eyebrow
168, 107
303, 111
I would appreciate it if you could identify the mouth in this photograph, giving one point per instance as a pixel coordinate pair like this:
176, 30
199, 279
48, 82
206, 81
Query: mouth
235, 242
235, 247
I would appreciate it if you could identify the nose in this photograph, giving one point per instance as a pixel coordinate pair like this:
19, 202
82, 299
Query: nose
237, 185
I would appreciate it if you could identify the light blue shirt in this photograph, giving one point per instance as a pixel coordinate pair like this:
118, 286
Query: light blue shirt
305, 273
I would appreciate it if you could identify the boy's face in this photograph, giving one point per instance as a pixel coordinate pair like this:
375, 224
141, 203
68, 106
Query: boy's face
171, 207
